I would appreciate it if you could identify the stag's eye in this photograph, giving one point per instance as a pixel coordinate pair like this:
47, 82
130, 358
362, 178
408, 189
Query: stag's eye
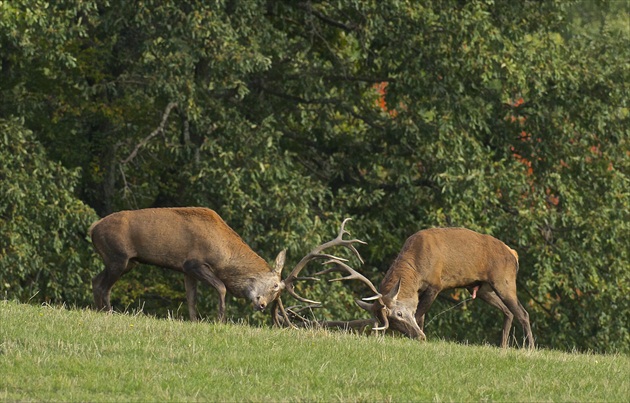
399, 314
275, 286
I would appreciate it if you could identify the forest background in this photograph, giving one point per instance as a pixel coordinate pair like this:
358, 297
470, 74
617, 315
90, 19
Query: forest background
508, 118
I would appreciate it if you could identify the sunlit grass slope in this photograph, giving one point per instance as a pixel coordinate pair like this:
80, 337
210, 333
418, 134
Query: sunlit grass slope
55, 354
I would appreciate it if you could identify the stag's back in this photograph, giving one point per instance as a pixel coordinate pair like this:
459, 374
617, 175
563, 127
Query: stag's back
168, 237
452, 257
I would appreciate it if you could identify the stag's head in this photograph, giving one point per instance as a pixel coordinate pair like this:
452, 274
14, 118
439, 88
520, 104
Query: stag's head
394, 313
266, 287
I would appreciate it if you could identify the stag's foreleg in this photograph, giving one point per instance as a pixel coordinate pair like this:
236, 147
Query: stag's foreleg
190, 283
420, 321
201, 271
424, 303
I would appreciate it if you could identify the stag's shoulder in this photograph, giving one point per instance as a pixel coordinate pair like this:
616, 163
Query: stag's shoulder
207, 217
197, 212
110, 219
446, 233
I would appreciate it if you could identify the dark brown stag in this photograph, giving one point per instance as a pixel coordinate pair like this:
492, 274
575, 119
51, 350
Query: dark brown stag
198, 243
438, 259
192, 240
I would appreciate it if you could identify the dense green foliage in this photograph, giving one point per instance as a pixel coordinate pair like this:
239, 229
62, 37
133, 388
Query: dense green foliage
511, 119
52, 354
42, 224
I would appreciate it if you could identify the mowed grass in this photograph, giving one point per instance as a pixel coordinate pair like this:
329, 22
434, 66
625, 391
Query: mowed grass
55, 354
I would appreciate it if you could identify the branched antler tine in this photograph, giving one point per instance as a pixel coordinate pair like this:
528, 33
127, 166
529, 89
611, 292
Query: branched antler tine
307, 278
285, 315
316, 253
329, 256
342, 230
332, 269
275, 313
299, 298
349, 277
349, 242
297, 315
356, 252
353, 275
385, 325
297, 308
329, 270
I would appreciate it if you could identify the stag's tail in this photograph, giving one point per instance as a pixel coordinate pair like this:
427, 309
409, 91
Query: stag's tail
94, 224
513, 252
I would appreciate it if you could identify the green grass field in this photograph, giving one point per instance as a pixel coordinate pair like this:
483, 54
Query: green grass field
55, 354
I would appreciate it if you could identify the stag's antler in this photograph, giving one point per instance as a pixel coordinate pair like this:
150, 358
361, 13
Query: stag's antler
282, 316
317, 254
338, 266
355, 275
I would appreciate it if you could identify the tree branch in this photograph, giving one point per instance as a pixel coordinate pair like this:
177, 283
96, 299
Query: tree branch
324, 101
371, 80
309, 8
157, 131
531, 295
299, 99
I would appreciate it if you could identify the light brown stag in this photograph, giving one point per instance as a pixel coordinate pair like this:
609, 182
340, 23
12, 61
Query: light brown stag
438, 259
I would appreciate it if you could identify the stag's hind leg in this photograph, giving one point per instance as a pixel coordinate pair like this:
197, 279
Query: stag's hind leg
527, 326
507, 293
100, 303
103, 282
486, 293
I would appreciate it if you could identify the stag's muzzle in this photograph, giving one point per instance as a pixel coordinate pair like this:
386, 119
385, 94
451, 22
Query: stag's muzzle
260, 304
414, 332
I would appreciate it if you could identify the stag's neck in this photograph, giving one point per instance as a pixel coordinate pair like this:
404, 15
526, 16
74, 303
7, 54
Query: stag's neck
243, 259
402, 270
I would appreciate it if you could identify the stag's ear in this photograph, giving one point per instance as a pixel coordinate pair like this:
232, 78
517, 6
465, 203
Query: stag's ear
280, 261
393, 294
365, 305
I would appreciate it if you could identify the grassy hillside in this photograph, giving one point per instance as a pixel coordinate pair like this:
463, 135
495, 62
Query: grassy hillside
49, 353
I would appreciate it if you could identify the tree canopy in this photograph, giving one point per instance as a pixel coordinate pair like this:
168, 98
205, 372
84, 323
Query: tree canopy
508, 118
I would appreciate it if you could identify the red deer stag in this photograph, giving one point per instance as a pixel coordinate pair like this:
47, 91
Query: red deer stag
438, 259
194, 241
